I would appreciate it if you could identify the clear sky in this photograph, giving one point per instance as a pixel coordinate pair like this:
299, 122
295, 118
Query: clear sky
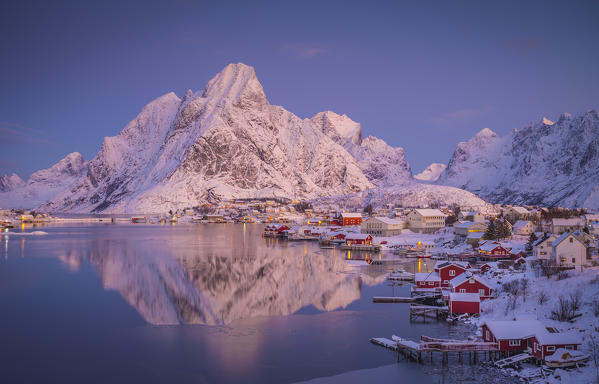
422, 75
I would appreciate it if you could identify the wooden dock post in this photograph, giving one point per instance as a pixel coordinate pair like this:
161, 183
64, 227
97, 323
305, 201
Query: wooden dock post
460, 357
419, 357
445, 358
475, 357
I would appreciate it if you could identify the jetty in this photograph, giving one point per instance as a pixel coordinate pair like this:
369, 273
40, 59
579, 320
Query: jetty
412, 350
430, 311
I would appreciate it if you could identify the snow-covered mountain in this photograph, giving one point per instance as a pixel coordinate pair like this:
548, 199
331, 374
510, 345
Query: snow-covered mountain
44, 184
226, 141
546, 163
432, 172
8, 183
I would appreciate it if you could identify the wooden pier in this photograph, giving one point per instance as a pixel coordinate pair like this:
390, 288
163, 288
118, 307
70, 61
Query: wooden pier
412, 350
430, 311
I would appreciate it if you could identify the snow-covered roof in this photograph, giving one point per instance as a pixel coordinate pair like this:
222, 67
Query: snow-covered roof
469, 213
444, 263
563, 237
388, 220
491, 245
468, 297
430, 212
520, 224
466, 276
427, 276
357, 236
549, 338
466, 224
542, 240
521, 210
475, 235
351, 215
514, 329
576, 221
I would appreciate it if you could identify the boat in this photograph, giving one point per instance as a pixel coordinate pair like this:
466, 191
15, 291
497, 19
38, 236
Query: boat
564, 358
400, 275
419, 255
139, 219
174, 219
196, 219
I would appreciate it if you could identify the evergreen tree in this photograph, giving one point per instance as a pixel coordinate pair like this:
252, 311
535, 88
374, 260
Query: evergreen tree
586, 230
531, 241
503, 229
368, 209
491, 232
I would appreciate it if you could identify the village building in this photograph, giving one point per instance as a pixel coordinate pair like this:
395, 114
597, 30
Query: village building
448, 270
460, 303
559, 226
426, 220
358, 238
488, 266
474, 216
350, 218
514, 214
467, 227
569, 250
427, 280
541, 249
516, 336
523, 228
468, 283
474, 238
382, 226
493, 250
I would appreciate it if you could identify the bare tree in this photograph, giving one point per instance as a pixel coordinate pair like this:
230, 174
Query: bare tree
542, 297
576, 300
563, 311
594, 346
524, 287
595, 306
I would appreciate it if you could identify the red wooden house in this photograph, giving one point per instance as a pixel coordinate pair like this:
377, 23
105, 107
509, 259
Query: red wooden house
545, 344
358, 238
350, 218
494, 250
429, 280
486, 267
468, 283
449, 269
464, 303
528, 335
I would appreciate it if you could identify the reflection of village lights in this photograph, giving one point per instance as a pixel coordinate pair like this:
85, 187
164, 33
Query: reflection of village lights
419, 265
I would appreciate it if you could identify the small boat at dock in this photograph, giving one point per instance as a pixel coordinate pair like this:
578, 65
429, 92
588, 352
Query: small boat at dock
564, 358
139, 220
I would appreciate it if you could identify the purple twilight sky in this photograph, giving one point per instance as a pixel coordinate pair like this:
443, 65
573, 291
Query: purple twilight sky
423, 75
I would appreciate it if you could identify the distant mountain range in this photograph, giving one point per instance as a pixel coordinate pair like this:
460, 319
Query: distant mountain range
545, 163
228, 141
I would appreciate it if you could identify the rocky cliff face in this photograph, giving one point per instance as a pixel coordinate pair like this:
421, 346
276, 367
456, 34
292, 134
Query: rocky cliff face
431, 173
545, 163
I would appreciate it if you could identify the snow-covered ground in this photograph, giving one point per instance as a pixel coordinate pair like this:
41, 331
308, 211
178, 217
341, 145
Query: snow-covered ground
528, 306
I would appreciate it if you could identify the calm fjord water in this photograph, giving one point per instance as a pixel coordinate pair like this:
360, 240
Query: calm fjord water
120, 303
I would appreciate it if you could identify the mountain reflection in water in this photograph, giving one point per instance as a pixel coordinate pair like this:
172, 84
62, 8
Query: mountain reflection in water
215, 274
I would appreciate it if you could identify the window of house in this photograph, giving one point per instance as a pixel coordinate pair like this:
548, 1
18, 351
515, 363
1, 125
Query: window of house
569, 347
462, 291
446, 282
452, 272
550, 348
514, 343
571, 240
471, 281
488, 336
431, 283
481, 292
573, 260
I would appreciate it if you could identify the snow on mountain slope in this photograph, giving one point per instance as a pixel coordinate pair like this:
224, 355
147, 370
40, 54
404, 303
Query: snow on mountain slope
546, 163
431, 173
226, 141
8, 183
45, 184
382, 164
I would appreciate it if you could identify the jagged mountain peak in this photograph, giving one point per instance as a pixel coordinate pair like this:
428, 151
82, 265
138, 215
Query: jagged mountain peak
340, 128
9, 183
485, 132
72, 164
546, 121
236, 82
431, 173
